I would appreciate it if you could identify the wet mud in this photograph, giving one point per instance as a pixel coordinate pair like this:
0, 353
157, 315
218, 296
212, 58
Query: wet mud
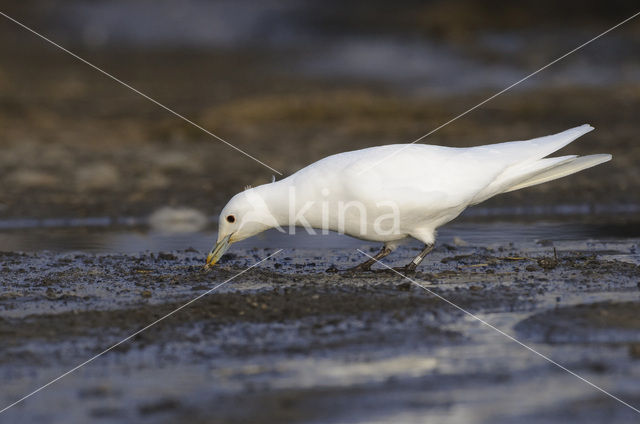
287, 341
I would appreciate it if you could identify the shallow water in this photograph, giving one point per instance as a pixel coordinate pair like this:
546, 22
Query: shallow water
477, 226
144, 239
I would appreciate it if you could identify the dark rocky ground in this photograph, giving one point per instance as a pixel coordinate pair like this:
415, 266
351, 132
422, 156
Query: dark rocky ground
288, 342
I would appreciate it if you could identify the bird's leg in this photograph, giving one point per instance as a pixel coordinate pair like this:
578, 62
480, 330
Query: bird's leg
366, 265
411, 266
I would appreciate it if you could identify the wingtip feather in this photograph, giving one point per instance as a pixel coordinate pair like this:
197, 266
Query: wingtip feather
584, 128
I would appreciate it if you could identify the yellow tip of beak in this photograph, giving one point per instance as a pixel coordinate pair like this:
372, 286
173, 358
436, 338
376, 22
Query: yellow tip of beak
216, 253
210, 261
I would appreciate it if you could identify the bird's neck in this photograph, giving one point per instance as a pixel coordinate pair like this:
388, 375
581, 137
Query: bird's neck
276, 198
288, 199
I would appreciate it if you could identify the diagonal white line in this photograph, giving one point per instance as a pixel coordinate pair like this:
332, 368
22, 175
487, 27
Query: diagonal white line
136, 333
504, 334
135, 90
488, 99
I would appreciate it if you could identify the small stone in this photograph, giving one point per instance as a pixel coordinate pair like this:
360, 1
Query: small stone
457, 241
146, 293
332, 269
177, 220
547, 263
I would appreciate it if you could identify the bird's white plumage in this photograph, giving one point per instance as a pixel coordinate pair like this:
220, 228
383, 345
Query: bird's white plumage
427, 185
430, 184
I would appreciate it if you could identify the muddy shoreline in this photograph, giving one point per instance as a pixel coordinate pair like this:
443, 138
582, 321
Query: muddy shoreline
256, 338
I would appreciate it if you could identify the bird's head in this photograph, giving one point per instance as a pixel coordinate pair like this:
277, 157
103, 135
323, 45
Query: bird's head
245, 215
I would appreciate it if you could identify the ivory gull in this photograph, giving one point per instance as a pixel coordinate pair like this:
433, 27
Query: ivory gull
390, 193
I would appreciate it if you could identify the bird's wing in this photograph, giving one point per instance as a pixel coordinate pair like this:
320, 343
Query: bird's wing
419, 176
426, 176
536, 148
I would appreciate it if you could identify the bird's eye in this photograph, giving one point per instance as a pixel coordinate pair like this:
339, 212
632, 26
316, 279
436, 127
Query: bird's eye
231, 219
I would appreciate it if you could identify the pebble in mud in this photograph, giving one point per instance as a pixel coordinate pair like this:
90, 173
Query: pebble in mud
334, 269
547, 262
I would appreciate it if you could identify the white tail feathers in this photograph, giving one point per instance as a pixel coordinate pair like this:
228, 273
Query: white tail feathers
538, 148
564, 168
530, 166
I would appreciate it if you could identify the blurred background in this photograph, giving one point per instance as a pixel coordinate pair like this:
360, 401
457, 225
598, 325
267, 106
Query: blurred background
291, 82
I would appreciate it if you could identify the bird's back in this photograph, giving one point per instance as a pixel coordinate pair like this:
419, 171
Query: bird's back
440, 177
426, 186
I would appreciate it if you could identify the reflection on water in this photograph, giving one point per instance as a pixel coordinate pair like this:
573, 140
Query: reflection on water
141, 239
139, 234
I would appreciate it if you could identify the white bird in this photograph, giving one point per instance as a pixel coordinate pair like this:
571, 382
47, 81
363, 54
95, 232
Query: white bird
390, 193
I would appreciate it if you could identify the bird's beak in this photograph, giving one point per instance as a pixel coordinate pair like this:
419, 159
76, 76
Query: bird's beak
217, 251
